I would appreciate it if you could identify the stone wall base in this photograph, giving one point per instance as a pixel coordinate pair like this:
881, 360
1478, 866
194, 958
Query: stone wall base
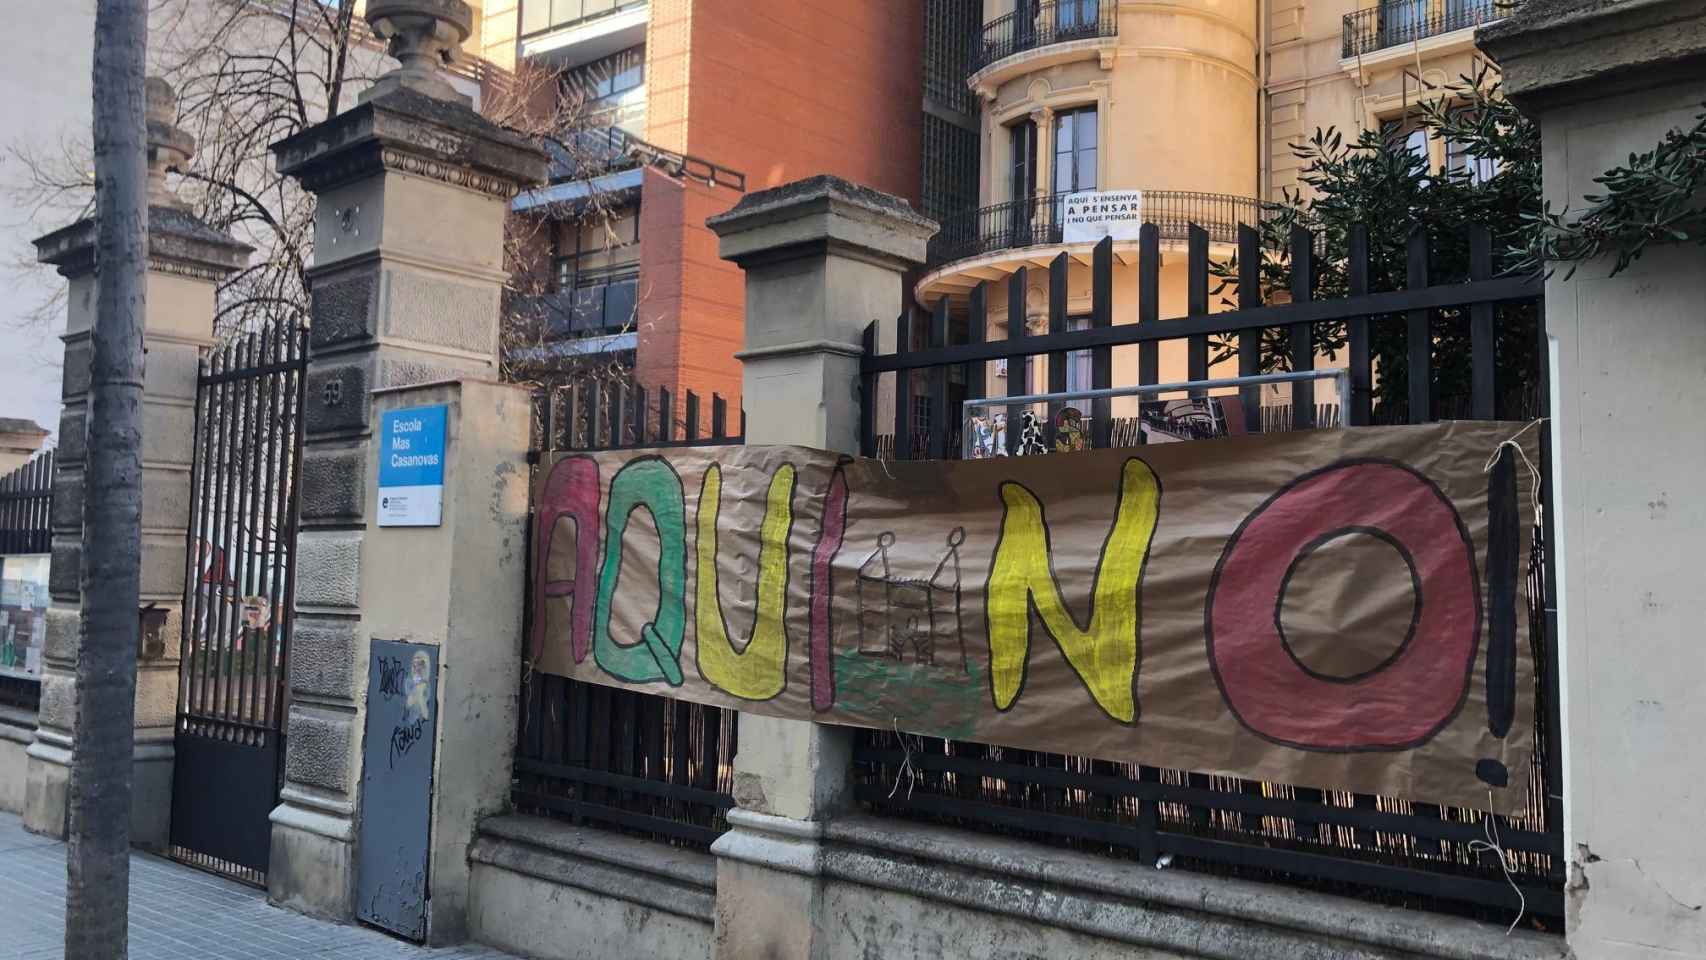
894, 889
17, 730
544, 889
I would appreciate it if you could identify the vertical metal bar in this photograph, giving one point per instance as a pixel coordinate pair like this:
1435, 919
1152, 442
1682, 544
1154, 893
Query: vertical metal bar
292, 507
1058, 278
977, 330
937, 438
1302, 334
1361, 413
242, 531
719, 416
903, 388
1196, 303
642, 407
1148, 301
1250, 341
1482, 344
1102, 358
260, 515
192, 546
276, 522
1018, 364
867, 394
212, 489
227, 526
666, 415
614, 406
1418, 338
692, 416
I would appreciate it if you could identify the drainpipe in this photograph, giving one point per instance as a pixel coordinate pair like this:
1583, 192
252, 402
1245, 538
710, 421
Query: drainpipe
1264, 149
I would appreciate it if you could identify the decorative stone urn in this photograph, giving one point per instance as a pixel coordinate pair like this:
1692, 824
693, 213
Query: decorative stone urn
425, 36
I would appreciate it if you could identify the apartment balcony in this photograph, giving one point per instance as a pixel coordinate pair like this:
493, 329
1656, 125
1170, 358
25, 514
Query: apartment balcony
566, 33
1401, 23
992, 242
1040, 34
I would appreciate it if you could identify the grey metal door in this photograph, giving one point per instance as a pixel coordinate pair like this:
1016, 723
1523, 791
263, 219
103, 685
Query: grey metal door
396, 787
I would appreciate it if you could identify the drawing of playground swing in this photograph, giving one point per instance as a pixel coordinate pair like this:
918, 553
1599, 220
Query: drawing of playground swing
912, 618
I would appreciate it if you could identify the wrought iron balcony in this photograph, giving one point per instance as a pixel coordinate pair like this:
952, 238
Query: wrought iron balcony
1040, 24
1036, 222
1392, 23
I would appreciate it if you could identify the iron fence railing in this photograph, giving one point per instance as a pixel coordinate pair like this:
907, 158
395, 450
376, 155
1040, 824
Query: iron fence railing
26, 505
1394, 22
1034, 25
1453, 330
1036, 221
645, 764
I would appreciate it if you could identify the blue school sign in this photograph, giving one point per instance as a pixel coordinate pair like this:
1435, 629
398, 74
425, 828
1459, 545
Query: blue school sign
411, 467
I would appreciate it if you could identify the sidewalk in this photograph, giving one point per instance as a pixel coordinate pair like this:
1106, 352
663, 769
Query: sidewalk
177, 913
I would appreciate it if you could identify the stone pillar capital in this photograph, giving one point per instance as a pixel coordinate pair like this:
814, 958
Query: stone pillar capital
1562, 51
819, 216
424, 36
406, 131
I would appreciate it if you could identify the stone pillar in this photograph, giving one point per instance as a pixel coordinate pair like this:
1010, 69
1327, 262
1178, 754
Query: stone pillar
412, 187
460, 586
1604, 81
823, 259
186, 261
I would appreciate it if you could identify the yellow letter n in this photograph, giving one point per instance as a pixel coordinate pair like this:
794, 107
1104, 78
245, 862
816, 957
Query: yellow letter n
1021, 578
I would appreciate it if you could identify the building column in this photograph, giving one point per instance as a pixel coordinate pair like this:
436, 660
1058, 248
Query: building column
186, 261
823, 259
412, 188
1605, 81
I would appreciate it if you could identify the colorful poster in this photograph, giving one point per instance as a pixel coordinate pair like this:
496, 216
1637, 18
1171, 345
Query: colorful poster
1331, 608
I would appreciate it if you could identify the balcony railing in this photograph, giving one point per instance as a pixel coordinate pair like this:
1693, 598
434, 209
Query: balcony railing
539, 16
1042, 24
1392, 23
1036, 222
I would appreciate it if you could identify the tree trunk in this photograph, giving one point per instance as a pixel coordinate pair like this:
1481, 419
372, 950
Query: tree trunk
97, 885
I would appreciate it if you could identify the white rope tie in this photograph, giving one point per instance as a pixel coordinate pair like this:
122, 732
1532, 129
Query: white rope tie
1490, 827
906, 768
1533, 471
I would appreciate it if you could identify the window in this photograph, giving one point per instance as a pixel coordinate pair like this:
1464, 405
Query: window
1478, 169
1414, 139
1075, 150
1078, 361
1022, 171
1401, 20
597, 278
1075, 17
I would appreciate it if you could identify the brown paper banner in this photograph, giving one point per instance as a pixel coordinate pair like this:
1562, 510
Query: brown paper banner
1335, 608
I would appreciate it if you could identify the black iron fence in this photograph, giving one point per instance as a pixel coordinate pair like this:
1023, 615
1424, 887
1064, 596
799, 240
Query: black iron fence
1035, 24
649, 765
1387, 849
26, 506
1037, 221
1394, 22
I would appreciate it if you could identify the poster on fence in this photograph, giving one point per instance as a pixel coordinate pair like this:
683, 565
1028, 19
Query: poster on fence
1335, 608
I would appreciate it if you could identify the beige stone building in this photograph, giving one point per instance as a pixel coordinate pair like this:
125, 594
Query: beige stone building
1194, 104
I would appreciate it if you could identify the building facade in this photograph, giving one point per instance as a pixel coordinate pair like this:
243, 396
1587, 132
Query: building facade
1194, 105
688, 106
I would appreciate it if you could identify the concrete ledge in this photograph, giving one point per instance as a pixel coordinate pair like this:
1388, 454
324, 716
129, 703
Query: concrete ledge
17, 732
548, 889
671, 879
1174, 913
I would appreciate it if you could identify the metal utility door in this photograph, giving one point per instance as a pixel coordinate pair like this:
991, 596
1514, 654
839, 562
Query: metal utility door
396, 787
237, 602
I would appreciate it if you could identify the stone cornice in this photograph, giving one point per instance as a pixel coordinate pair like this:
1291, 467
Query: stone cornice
405, 131
1557, 51
178, 244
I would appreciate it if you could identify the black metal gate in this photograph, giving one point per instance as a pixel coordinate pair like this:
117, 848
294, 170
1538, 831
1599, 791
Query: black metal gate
237, 601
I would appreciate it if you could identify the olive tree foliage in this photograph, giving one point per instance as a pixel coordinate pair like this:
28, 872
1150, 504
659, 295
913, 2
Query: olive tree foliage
1375, 180
249, 73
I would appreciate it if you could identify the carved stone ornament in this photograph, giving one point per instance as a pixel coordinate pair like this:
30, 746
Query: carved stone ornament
168, 147
425, 36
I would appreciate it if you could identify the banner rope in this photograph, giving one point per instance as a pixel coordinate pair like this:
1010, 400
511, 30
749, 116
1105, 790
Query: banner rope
1490, 827
1533, 471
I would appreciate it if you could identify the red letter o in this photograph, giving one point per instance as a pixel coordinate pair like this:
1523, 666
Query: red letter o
1407, 700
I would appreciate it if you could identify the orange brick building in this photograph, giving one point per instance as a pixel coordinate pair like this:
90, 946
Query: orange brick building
760, 93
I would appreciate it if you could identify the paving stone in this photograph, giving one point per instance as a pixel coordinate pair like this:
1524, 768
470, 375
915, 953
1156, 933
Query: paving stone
179, 913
